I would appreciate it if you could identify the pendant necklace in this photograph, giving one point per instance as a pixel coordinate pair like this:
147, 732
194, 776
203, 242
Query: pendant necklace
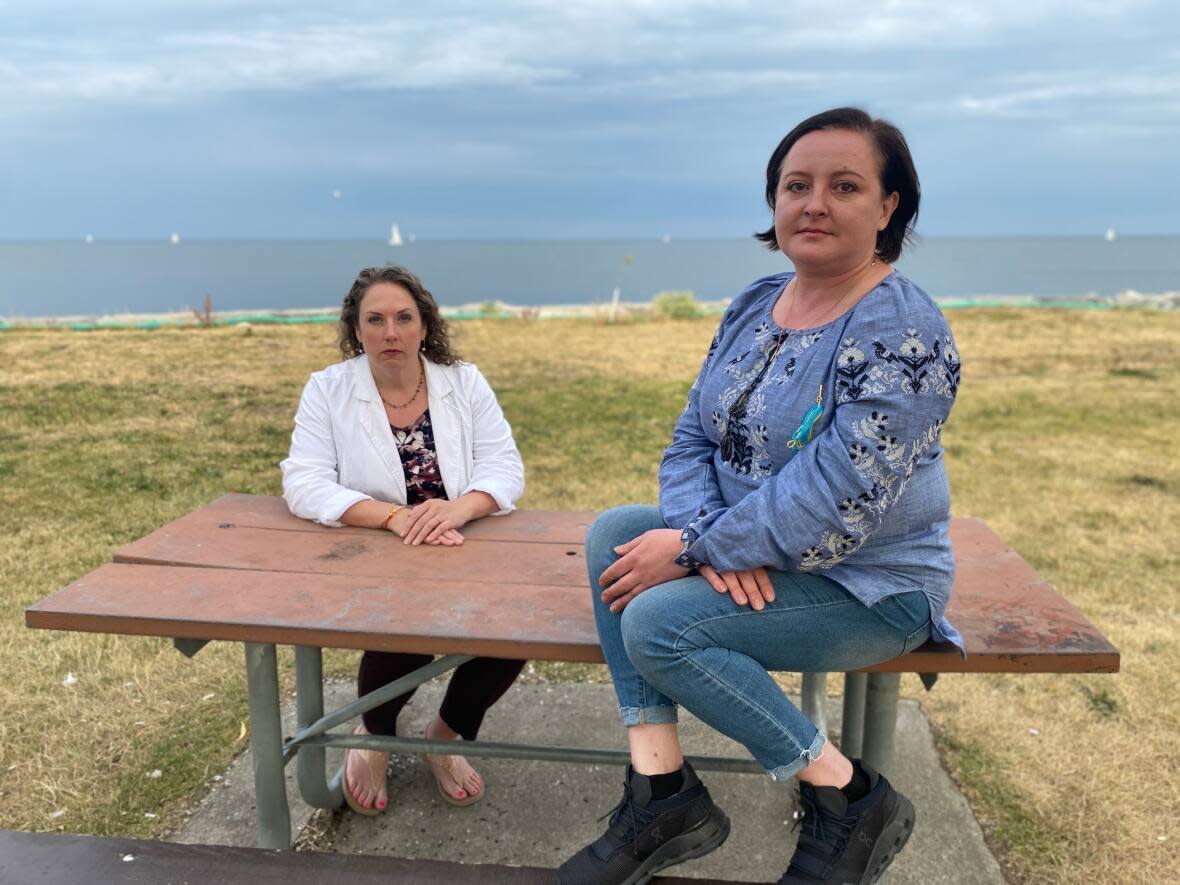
417, 390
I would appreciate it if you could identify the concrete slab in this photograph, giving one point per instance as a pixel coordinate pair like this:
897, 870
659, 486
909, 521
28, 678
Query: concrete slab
538, 813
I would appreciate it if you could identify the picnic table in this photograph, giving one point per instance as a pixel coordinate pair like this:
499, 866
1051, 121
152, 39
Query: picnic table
243, 569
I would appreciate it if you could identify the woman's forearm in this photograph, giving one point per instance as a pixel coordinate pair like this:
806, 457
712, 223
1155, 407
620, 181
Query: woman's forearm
368, 514
477, 504
371, 513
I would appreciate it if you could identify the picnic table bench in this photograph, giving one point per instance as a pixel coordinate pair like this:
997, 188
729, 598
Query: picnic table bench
243, 569
43, 859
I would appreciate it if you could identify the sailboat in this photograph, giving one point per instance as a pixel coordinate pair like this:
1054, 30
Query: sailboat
1110, 236
395, 236
174, 239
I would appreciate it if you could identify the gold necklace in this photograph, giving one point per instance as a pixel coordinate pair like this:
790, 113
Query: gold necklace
793, 286
417, 390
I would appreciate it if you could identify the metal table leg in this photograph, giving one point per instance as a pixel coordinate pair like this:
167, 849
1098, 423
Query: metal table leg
314, 786
815, 700
880, 726
881, 720
852, 726
266, 746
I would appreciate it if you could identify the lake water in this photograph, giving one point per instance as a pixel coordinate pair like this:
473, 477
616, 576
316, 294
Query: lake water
45, 279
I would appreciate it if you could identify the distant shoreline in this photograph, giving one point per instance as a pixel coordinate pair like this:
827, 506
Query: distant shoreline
501, 310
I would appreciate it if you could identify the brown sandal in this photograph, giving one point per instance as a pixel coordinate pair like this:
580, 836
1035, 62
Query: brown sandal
349, 799
448, 763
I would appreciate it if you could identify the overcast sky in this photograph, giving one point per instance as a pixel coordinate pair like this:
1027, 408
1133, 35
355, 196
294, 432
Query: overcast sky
581, 118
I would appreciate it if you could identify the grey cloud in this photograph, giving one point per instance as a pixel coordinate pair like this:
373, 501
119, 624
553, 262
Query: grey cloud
680, 48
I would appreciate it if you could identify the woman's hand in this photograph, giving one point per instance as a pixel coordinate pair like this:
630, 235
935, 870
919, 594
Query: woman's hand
435, 520
404, 520
643, 562
749, 585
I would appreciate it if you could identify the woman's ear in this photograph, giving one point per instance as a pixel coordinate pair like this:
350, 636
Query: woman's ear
888, 207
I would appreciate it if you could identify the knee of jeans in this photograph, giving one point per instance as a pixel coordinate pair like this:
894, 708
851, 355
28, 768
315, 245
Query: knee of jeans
645, 630
605, 530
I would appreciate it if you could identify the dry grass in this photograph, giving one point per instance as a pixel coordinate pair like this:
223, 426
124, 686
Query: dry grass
1064, 439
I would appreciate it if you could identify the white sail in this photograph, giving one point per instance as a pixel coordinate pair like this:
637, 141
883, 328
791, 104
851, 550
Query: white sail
395, 236
1110, 236
174, 239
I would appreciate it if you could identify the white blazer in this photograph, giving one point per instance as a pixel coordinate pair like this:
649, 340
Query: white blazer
342, 449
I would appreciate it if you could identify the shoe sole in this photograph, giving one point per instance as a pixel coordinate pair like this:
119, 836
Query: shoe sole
707, 836
892, 840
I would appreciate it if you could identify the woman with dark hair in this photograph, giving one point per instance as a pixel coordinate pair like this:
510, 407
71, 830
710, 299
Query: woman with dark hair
404, 437
802, 523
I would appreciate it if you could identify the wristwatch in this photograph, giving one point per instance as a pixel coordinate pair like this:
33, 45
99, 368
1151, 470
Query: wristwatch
687, 538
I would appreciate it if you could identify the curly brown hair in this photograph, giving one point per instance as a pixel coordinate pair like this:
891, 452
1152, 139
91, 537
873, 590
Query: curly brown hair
437, 346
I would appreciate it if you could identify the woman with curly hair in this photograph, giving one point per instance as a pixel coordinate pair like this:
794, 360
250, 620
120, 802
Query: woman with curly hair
402, 436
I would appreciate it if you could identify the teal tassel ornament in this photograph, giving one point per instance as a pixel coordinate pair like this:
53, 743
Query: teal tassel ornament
802, 436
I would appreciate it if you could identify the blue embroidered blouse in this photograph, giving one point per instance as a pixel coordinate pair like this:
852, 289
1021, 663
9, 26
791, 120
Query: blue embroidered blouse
859, 492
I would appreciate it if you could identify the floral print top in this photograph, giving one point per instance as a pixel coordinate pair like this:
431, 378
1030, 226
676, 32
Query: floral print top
415, 447
818, 449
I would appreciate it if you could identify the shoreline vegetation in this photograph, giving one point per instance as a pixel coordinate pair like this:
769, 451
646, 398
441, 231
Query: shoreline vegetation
669, 305
1065, 439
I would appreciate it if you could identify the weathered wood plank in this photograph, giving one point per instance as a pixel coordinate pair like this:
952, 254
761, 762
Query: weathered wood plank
369, 553
67, 860
549, 622
441, 601
269, 512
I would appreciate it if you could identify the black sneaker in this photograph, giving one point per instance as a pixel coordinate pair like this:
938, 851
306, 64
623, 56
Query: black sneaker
646, 835
843, 843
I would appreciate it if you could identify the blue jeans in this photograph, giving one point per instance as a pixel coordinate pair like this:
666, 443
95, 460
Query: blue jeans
684, 643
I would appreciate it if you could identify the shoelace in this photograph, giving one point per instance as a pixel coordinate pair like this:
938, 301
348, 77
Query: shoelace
625, 803
821, 834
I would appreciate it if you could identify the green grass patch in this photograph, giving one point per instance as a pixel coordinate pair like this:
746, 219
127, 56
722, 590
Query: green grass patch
1065, 438
1008, 814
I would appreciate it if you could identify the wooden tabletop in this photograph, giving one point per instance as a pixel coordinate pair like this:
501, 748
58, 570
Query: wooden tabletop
244, 569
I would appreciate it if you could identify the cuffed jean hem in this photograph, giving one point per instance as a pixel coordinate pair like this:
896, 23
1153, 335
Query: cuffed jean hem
662, 715
788, 771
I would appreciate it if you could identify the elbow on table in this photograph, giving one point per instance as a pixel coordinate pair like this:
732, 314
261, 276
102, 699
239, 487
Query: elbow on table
504, 495
299, 503
307, 499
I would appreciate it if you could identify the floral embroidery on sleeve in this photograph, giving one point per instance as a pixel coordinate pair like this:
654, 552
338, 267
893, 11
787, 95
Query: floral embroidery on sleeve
886, 489
951, 368
857, 377
919, 368
914, 359
883, 461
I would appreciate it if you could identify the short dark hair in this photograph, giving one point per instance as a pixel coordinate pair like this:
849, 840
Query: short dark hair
896, 170
437, 346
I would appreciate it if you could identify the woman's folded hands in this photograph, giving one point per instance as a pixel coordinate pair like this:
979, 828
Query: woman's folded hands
647, 560
750, 586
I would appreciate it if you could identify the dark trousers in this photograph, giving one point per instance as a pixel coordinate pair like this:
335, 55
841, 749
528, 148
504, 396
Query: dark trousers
473, 688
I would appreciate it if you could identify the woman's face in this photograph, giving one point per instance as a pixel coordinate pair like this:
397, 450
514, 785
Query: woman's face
389, 325
829, 206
